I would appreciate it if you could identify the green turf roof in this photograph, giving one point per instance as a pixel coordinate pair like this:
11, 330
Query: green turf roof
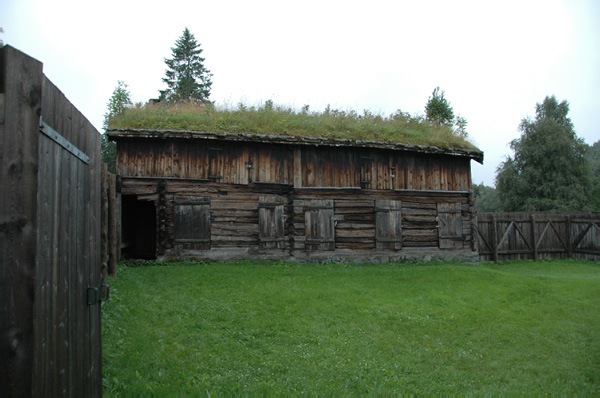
398, 128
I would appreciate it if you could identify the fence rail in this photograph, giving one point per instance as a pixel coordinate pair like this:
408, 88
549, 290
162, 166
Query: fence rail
538, 235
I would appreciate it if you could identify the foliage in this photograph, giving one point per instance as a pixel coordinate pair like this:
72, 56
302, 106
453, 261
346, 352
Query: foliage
342, 329
186, 77
461, 127
1, 41
438, 109
273, 119
593, 158
117, 104
548, 170
486, 198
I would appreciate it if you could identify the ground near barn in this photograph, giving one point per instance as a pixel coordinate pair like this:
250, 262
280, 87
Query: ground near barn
388, 328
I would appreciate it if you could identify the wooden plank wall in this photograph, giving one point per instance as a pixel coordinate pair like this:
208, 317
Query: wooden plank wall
234, 216
20, 100
302, 166
538, 235
51, 337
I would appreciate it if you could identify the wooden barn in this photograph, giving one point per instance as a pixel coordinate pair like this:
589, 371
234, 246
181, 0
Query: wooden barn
220, 196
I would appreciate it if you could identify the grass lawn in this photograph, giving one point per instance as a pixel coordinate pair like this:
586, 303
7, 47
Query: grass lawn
353, 329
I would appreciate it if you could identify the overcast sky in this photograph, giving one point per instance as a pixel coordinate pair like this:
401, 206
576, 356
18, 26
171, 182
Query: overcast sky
494, 60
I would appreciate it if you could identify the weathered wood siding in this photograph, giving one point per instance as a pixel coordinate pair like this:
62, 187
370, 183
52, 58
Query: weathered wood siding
279, 220
50, 337
245, 163
538, 235
210, 161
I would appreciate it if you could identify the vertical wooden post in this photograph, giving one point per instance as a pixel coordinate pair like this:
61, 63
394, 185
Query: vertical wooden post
569, 237
495, 238
473, 215
119, 206
533, 238
112, 225
104, 222
297, 168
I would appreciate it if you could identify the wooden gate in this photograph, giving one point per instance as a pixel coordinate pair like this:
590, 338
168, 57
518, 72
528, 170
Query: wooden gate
50, 270
535, 235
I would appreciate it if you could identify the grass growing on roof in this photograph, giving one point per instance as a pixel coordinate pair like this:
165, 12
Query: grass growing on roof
272, 119
253, 327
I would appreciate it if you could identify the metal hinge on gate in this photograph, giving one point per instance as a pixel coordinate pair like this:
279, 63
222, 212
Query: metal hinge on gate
98, 294
63, 142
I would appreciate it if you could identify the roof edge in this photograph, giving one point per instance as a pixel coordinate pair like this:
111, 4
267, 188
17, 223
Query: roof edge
117, 134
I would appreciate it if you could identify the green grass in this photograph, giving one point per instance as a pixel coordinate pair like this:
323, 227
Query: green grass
353, 329
271, 119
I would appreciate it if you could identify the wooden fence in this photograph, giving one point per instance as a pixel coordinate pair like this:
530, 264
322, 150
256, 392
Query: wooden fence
538, 235
50, 270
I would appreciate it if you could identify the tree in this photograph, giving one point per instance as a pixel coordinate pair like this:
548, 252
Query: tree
186, 77
438, 109
117, 104
593, 158
486, 198
549, 170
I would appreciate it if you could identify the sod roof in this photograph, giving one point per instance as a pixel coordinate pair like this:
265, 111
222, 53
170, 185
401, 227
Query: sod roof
270, 124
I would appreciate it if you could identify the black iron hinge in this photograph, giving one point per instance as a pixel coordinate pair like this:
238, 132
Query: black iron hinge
98, 294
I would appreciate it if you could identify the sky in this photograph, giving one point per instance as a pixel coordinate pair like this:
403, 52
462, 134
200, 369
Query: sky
495, 60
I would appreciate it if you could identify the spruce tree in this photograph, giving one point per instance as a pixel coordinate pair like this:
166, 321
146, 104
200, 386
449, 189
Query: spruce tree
186, 77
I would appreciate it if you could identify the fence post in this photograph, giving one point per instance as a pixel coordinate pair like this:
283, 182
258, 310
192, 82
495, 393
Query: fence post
533, 238
569, 237
495, 239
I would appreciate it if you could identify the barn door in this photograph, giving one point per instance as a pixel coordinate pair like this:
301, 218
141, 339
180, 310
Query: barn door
191, 219
319, 225
388, 224
271, 222
450, 225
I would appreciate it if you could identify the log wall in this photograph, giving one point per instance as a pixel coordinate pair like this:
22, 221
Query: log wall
278, 221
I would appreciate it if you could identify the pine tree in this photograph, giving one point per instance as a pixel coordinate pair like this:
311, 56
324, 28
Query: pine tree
119, 101
549, 170
186, 77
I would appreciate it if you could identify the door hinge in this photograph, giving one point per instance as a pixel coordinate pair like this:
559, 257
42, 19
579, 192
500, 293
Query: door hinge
98, 294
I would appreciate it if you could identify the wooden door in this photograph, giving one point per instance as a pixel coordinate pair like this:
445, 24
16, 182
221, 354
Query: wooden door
450, 225
271, 222
191, 219
319, 225
388, 224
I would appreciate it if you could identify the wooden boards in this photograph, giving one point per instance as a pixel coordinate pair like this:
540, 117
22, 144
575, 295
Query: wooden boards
49, 237
263, 218
305, 166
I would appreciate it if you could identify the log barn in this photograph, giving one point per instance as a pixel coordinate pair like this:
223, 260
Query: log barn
215, 195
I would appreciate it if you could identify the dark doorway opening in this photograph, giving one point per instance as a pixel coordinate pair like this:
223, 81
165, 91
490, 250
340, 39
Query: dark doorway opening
138, 228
